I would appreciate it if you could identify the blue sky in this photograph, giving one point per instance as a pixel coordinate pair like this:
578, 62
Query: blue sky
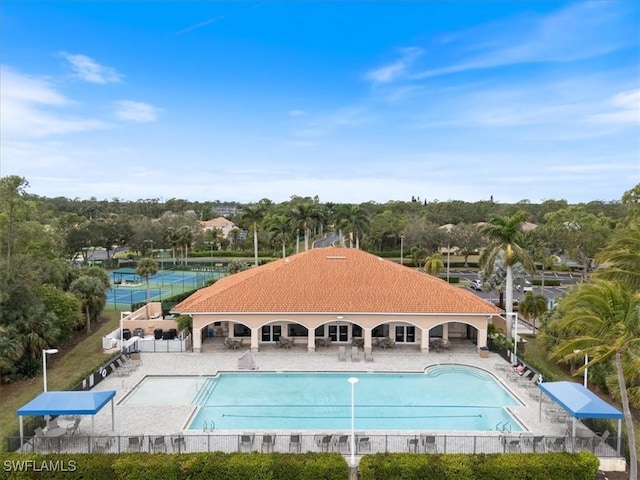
351, 101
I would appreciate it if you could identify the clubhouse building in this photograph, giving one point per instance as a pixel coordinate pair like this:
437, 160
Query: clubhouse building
340, 296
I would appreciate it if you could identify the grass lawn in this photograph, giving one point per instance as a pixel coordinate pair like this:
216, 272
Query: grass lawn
64, 369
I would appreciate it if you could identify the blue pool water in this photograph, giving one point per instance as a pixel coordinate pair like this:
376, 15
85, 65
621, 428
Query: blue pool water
444, 398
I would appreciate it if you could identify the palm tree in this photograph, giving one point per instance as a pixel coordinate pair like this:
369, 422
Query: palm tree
433, 264
305, 216
185, 239
173, 240
280, 229
91, 292
254, 214
418, 254
146, 268
533, 307
605, 319
505, 235
623, 258
353, 219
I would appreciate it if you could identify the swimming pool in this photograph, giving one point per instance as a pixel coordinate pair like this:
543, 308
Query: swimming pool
452, 397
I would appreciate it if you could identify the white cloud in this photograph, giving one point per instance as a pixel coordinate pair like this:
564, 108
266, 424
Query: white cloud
582, 30
88, 70
628, 109
394, 70
31, 107
136, 111
296, 113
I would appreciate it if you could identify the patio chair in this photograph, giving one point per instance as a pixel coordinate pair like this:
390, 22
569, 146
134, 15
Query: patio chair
178, 443
429, 443
135, 444
556, 445
267, 443
159, 445
295, 445
325, 443
102, 445
342, 354
284, 342
413, 444
538, 444
246, 441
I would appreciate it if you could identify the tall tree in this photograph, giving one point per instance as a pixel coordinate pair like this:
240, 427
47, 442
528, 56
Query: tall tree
12, 188
305, 216
532, 307
605, 319
92, 293
254, 214
433, 264
146, 268
352, 219
280, 229
505, 235
622, 258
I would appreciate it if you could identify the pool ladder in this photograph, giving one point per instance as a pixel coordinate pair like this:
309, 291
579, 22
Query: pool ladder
205, 426
503, 427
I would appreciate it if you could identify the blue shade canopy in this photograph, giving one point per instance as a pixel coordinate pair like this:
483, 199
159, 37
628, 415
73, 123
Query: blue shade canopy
580, 402
67, 403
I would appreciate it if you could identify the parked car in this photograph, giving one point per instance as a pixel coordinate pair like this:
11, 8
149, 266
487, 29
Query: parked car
476, 285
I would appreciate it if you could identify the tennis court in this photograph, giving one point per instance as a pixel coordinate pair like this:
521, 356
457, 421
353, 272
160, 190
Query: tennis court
129, 288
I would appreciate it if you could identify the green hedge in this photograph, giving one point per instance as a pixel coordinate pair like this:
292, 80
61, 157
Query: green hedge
565, 466
548, 282
194, 466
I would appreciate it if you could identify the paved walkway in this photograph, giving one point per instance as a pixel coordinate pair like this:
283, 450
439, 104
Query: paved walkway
166, 420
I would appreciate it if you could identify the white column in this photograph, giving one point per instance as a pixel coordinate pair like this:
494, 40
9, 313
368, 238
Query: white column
255, 339
482, 338
424, 340
445, 332
311, 342
367, 337
197, 340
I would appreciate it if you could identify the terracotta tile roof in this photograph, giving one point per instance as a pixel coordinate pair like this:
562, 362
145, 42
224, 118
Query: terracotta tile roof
336, 280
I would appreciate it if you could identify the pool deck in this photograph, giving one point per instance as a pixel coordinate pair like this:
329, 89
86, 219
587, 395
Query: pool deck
169, 420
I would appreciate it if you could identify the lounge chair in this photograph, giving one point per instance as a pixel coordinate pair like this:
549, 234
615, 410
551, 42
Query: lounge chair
267, 443
246, 442
598, 439
342, 445
159, 445
364, 445
295, 444
355, 356
342, 354
73, 429
284, 342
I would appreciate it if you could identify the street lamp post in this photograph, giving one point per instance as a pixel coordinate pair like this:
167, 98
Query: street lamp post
586, 369
45, 352
353, 381
401, 249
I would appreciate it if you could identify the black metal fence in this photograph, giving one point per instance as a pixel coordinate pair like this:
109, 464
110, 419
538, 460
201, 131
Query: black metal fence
298, 443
